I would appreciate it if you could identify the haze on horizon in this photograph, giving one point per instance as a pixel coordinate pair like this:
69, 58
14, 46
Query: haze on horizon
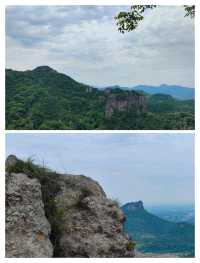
84, 43
154, 168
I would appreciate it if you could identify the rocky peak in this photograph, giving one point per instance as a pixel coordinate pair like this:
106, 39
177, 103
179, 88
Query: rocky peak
61, 215
133, 206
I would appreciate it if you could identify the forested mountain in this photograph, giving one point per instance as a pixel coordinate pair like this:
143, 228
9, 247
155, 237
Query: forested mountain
45, 99
155, 235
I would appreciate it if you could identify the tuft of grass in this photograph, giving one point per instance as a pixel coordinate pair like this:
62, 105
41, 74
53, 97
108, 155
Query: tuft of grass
131, 245
116, 202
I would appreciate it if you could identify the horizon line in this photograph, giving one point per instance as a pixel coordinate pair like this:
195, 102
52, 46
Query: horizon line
98, 86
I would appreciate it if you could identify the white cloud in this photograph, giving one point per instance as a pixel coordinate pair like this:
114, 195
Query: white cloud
84, 43
128, 166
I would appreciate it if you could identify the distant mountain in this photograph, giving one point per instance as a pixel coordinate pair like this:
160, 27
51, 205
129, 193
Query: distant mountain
177, 92
155, 235
48, 100
175, 213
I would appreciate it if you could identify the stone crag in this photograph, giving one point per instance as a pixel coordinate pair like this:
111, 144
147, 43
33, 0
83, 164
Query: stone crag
133, 206
85, 222
124, 102
27, 229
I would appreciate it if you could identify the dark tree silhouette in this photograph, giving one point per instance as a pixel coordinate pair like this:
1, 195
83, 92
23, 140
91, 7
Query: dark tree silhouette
129, 20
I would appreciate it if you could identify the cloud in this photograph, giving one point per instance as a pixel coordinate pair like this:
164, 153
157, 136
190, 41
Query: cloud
128, 166
83, 42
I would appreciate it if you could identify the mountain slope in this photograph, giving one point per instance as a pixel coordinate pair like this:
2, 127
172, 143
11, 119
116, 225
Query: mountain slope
155, 235
45, 99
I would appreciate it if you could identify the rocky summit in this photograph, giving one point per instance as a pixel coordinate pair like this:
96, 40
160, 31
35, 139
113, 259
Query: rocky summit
133, 206
59, 215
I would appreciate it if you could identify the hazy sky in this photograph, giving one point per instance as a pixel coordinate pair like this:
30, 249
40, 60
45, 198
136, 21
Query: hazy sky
155, 168
83, 42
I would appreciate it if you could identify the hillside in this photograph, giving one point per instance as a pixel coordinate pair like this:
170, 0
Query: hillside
45, 99
60, 215
155, 235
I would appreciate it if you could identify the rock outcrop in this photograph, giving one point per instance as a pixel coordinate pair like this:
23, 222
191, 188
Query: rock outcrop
92, 224
119, 102
83, 222
27, 229
133, 206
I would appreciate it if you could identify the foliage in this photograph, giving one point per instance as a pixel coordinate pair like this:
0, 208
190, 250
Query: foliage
129, 21
47, 100
189, 10
131, 245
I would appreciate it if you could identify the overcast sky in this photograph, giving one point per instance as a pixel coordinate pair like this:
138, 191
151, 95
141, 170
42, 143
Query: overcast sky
83, 42
155, 168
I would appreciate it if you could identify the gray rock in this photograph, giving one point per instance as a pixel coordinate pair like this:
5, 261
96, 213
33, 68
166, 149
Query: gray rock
92, 224
84, 222
27, 229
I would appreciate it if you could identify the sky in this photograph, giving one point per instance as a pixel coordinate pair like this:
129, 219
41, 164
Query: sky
154, 168
84, 43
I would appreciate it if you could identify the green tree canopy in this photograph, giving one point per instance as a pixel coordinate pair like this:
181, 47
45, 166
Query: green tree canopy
129, 20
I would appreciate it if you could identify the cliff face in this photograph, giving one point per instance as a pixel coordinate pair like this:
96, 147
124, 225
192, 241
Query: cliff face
124, 102
76, 220
133, 206
91, 223
27, 229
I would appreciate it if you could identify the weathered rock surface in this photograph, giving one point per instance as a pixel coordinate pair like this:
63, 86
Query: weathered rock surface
120, 102
92, 223
84, 222
27, 229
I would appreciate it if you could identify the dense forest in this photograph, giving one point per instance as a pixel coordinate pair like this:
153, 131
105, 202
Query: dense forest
45, 99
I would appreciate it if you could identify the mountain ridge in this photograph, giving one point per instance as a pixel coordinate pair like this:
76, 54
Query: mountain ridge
157, 235
176, 91
48, 100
